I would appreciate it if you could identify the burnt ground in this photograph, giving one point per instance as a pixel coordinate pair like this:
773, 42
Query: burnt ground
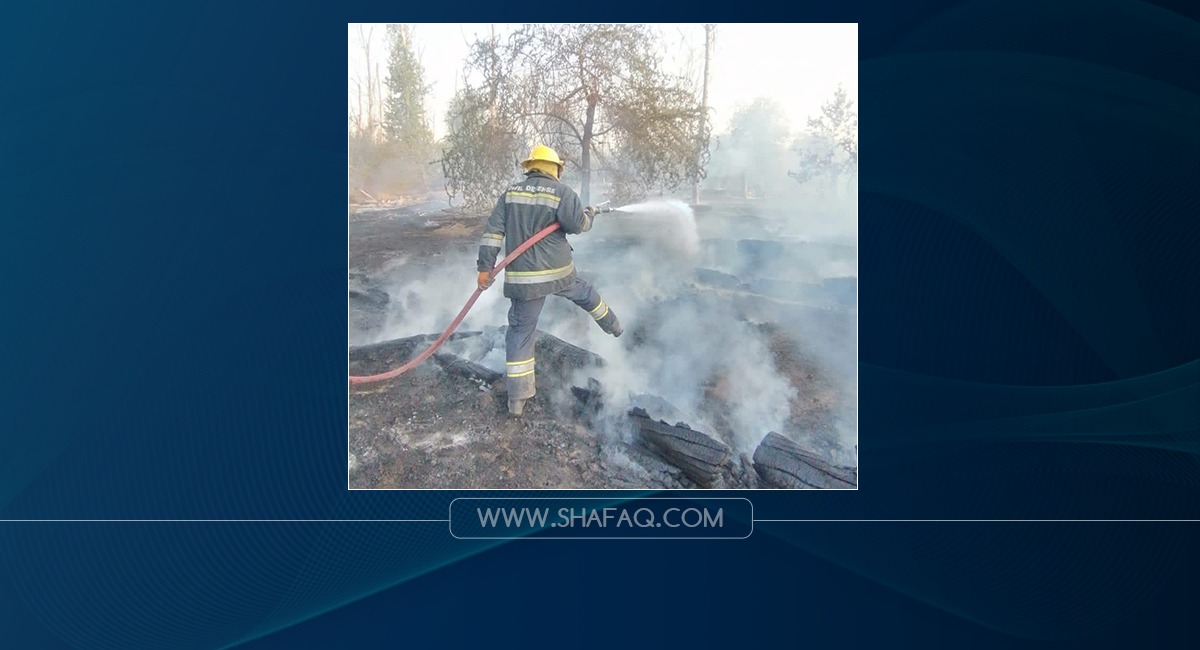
425, 229
440, 428
431, 428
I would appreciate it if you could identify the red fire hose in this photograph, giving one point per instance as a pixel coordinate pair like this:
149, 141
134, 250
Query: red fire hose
417, 360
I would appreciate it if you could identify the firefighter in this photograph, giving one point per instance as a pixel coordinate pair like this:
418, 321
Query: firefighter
526, 207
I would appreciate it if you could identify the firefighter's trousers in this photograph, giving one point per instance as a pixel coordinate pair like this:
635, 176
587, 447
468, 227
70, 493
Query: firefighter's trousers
522, 333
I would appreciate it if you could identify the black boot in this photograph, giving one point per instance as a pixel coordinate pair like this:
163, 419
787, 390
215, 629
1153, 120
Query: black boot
610, 324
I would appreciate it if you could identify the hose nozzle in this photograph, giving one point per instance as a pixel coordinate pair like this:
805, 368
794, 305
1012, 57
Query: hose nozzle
602, 209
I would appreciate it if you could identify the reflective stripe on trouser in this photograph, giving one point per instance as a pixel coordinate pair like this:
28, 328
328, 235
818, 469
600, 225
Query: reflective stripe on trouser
519, 343
521, 338
582, 293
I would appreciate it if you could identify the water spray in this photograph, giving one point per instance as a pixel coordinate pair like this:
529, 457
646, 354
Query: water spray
667, 224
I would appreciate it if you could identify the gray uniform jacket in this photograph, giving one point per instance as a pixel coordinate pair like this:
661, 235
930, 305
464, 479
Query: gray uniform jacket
526, 207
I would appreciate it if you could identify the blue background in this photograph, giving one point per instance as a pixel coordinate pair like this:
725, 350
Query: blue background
173, 291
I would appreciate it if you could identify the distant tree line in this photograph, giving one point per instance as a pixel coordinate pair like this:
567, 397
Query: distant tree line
602, 96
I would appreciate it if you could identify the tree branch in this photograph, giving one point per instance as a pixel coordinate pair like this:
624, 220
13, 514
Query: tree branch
557, 117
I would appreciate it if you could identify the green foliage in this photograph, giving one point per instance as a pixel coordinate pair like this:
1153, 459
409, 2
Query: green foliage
404, 122
480, 153
657, 141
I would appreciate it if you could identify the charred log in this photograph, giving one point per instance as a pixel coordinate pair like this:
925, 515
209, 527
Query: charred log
784, 464
556, 355
698, 455
456, 365
553, 352
368, 298
591, 398
366, 304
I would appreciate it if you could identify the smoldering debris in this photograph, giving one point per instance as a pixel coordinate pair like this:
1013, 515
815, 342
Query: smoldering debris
732, 339
457, 365
641, 434
782, 463
700, 456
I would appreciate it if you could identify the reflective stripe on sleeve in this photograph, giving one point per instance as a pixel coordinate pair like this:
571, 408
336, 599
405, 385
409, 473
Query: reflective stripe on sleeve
538, 277
491, 239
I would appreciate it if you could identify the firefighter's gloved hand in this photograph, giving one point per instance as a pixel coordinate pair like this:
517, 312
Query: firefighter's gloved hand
590, 211
485, 280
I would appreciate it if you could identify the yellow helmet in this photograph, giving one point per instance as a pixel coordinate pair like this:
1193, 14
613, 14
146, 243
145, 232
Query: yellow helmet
542, 153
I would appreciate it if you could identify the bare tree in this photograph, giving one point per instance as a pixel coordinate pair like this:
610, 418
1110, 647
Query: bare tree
702, 133
371, 124
362, 140
390, 141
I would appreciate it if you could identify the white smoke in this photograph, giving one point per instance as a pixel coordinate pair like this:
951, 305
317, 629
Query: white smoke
643, 263
696, 350
424, 299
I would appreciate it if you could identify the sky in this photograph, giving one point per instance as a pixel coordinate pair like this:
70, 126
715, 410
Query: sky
799, 65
